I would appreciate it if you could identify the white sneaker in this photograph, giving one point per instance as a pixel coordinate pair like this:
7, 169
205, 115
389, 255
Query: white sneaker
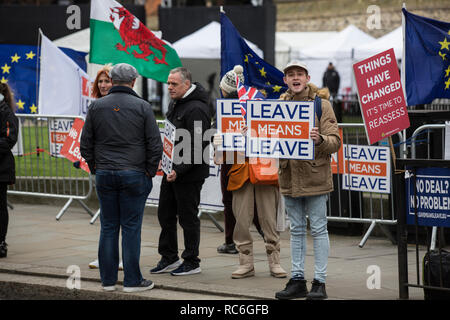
109, 288
94, 264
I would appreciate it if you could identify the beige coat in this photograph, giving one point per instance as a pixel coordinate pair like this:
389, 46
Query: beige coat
300, 178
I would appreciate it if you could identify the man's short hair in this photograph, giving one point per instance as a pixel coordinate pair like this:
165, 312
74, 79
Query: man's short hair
184, 72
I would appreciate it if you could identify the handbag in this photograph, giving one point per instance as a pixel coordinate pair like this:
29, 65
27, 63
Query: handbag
263, 171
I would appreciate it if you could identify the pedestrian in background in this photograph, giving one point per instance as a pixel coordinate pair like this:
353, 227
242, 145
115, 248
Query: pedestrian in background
305, 185
331, 80
122, 145
9, 130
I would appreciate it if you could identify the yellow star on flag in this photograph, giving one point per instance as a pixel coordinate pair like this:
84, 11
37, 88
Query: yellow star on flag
33, 109
442, 55
447, 72
268, 83
263, 73
6, 68
276, 88
447, 84
246, 58
20, 103
30, 55
444, 44
3, 80
15, 58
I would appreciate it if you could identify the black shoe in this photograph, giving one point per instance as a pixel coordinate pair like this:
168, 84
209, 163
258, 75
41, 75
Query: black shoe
164, 266
317, 292
227, 248
3, 249
295, 288
186, 269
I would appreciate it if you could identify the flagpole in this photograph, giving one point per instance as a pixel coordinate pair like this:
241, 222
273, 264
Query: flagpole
403, 55
403, 77
221, 9
38, 60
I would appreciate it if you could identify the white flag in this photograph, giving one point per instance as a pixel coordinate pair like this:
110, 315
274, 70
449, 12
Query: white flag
64, 88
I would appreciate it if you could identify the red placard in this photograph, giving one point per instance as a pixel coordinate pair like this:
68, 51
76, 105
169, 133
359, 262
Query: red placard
381, 97
71, 147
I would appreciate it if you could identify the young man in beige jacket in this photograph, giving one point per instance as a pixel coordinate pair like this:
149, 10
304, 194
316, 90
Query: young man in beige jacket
305, 185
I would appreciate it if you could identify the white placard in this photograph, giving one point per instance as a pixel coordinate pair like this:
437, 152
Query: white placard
168, 146
230, 122
58, 129
367, 169
280, 129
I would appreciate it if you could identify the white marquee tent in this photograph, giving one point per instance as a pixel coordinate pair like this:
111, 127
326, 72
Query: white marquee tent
393, 39
288, 42
205, 43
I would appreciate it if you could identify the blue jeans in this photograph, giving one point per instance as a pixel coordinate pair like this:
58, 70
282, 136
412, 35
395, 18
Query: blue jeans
316, 209
122, 195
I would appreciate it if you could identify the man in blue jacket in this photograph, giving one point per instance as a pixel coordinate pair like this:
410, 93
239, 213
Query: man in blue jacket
180, 189
122, 145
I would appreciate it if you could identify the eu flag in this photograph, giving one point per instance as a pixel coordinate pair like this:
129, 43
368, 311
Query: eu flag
257, 72
427, 59
18, 68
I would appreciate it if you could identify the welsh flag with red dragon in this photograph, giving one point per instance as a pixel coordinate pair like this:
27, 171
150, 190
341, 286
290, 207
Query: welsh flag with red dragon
117, 36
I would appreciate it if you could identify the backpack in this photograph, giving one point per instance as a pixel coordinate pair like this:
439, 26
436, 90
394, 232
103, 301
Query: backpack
318, 106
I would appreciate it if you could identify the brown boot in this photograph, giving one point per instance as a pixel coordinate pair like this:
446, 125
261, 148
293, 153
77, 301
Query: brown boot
274, 265
246, 268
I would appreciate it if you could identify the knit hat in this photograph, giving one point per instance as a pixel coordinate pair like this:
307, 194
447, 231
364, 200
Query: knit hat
228, 82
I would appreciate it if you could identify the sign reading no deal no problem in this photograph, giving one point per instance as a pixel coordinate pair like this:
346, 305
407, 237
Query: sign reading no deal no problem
431, 198
382, 101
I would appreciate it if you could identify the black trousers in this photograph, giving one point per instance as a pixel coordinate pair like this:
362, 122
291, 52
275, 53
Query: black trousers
4, 218
179, 200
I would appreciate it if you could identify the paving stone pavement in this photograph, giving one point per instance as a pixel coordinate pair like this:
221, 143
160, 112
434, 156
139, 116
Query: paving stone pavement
41, 249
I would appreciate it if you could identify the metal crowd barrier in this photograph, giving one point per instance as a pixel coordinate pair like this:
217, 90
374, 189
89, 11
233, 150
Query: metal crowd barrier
40, 169
201, 211
425, 160
348, 206
416, 133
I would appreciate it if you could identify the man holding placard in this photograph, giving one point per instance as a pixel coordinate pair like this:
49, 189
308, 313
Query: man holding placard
180, 188
305, 185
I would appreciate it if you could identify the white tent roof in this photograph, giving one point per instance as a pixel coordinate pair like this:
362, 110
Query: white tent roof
341, 43
393, 39
205, 43
300, 40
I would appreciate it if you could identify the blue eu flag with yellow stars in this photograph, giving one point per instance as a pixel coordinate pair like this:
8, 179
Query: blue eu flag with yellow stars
18, 68
257, 72
427, 59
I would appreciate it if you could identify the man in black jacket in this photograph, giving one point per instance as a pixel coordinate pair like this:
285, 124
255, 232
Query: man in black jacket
331, 80
122, 145
180, 189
